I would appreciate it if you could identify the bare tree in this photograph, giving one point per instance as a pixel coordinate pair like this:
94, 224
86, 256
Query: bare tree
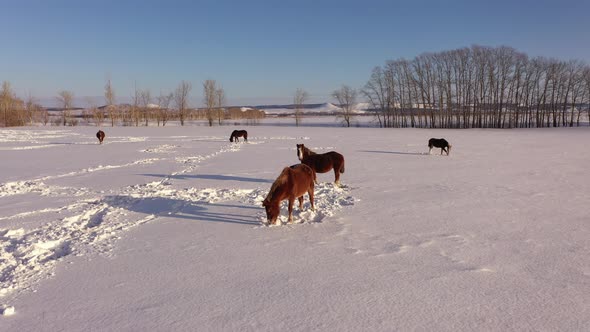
135, 107
44, 115
96, 113
220, 93
299, 100
210, 99
31, 108
6, 97
586, 80
109, 96
379, 92
34, 112
346, 97
145, 97
482, 87
163, 105
65, 99
181, 100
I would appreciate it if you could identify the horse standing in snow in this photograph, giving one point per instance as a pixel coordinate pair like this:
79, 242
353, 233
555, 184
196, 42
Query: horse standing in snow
293, 182
439, 143
238, 133
322, 162
100, 135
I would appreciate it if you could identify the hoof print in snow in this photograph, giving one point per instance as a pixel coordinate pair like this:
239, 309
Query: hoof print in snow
8, 311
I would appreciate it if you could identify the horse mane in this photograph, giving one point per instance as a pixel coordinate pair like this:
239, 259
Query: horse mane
281, 179
308, 151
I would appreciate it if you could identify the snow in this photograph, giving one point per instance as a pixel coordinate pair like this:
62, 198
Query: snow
162, 229
8, 311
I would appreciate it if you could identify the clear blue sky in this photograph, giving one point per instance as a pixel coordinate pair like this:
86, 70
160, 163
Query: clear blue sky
260, 51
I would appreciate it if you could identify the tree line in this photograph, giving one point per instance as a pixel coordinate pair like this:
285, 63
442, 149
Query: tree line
18, 112
143, 109
479, 87
475, 87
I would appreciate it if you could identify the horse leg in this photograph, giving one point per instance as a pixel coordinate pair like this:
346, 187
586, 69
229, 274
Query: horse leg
291, 200
310, 193
301, 203
337, 176
430, 150
315, 179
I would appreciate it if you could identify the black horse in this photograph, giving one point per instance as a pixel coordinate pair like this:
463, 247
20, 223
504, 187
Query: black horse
100, 135
238, 133
439, 143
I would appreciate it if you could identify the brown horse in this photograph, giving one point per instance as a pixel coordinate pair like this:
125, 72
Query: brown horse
238, 133
293, 183
100, 135
322, 162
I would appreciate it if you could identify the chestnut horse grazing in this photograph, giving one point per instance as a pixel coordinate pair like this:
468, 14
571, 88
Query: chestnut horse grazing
439, 143
322, 162
100, 136
238, 133
293, 183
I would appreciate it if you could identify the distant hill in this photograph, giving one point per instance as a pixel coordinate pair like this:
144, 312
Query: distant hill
318, 109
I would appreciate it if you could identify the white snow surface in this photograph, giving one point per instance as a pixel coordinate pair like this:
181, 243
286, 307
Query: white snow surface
161, 229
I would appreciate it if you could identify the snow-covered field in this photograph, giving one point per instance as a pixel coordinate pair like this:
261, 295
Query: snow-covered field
160, 229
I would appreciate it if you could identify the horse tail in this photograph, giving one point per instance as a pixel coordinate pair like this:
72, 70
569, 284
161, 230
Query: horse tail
342, 168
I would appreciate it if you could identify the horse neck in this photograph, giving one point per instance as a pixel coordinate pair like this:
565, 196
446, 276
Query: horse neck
278, 187
307, 152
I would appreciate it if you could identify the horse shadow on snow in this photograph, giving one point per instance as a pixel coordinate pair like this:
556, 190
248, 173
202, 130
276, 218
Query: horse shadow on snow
183, 209
395, 152
210, 177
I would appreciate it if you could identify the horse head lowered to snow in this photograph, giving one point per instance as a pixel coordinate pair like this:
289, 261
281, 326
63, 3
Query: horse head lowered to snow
100, 135
238, 133
293, 182
439, 143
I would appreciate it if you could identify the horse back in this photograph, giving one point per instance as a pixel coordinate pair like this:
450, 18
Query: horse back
438, 143
301, 178
324, 162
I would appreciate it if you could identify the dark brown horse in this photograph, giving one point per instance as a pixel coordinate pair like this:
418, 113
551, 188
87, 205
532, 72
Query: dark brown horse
100, 135
439, 143
322, 162
238, 133
293, 183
